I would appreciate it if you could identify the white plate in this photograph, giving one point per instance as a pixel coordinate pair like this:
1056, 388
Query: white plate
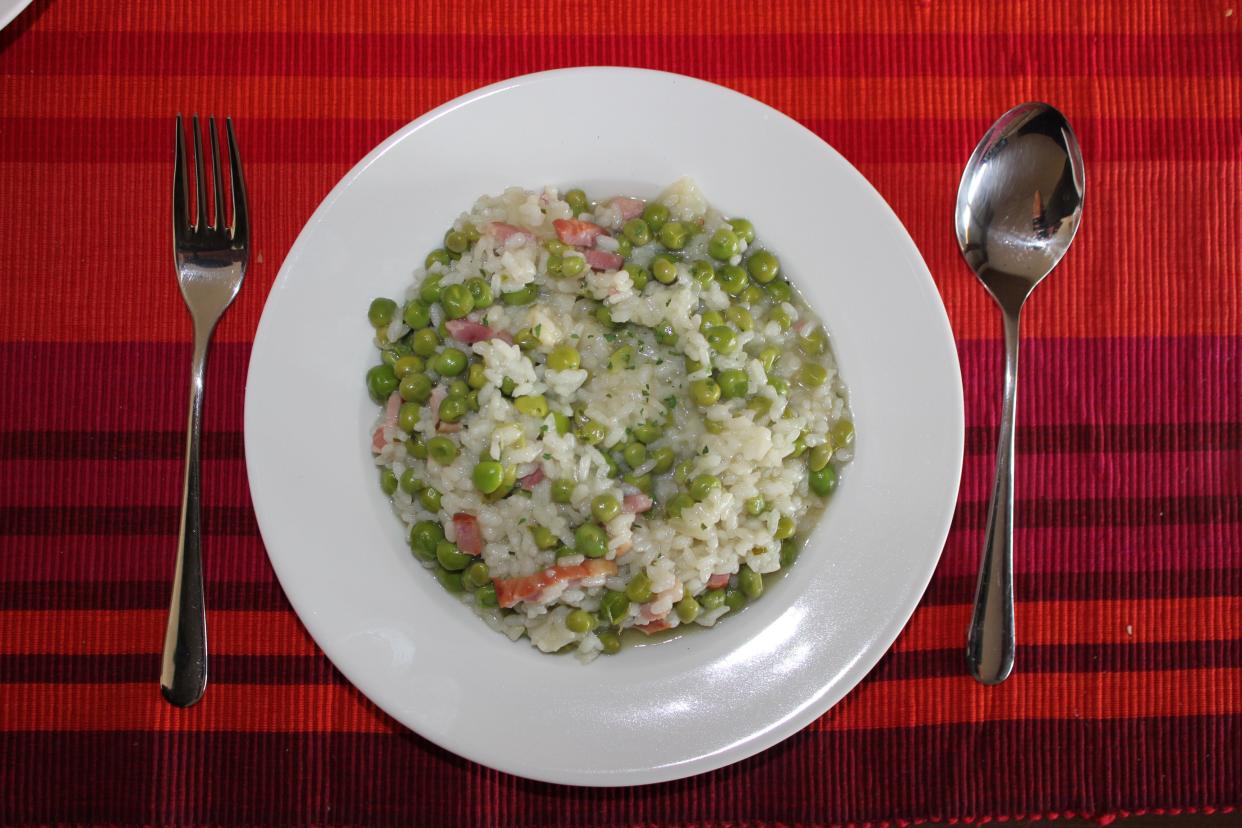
655, 712
10, 9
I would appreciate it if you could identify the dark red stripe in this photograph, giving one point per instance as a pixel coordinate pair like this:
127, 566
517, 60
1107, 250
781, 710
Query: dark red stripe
863, 141
87, 591
916, 664
121, 520
488, 58
1099, 438
1076, 766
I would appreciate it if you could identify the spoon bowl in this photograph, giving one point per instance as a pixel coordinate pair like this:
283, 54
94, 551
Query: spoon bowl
1018, 209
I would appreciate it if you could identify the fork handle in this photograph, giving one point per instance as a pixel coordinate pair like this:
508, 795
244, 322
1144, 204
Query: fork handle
990, 641
183, 675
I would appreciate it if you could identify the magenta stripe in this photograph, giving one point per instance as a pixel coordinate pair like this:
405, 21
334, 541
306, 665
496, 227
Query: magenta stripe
485, 57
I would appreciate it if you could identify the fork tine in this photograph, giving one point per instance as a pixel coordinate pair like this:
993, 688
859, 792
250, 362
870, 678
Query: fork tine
200, 218
217, 179
181, 189
241, 215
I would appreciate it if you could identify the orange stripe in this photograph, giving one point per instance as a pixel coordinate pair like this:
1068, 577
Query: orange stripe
1116, 281
962, 700
805, 98
1085, 622
519, 17
250, 632
103, 632
885, 704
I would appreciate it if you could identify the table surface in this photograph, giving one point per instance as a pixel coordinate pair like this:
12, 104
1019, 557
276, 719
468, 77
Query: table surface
1128, 694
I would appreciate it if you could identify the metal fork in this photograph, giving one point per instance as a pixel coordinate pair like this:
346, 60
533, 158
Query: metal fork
211, 261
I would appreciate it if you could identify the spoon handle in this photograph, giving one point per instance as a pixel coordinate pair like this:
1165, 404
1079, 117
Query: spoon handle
990, 643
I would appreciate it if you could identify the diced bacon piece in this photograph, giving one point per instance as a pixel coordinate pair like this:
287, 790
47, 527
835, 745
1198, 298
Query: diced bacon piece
503, 336
468, 333
503, 232
577, 232
469, 535
603, 260
653, 627
530, 481
720, 579
438, 395
622, 550
636, 504
512, 591
629, 207
390, 418
448, 428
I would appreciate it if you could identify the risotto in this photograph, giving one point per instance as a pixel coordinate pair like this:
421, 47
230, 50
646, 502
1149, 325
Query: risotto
604, 416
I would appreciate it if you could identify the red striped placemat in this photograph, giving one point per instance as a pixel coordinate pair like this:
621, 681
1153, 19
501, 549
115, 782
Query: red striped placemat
1128, 693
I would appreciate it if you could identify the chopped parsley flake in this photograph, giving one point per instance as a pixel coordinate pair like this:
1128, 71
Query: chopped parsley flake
670, 402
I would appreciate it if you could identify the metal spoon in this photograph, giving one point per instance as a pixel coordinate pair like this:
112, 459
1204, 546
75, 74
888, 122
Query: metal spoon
1018, 208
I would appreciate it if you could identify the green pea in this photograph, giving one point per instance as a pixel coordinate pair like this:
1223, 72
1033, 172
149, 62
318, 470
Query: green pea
438, 256
458, 388
613, 468
506, 484
604, 317
425, 342
451, 581
388, 481
556, 247
522, 296
639, 275
750, 295
480, 292
702, 272
625, 248
424, 536
430, 499
710, 319
614, 606
477, 575
665, 335
674, 235
506, 386
756, 505
408, 416
663, 458
577, 201
532, 406
442, 330
442, 449
768, 357
605, 507
452, 409
637, 231
638, 589
408, 483
645, 433
713, 426
842, 433
724, 244
543, 537
664, 270
799, 446
743, 228
487, 476
819, 457
406, 364
704, 392
555, 262
733, 279
693, 366
733, 383
643, 483
562, 423
780, 317
750, 582
789, 552
683, 471
389, 356
610, 642
564, 357
450, 362
635, 455
734, 599
824, 481
562, 491
655, 214
688, 609
455, 241
416, 315
763, 266
572, 266
622, 358
581, 621
381, 312
678, 504
813, 342
485, 596
591, 541
813, 374
476, 375
430, 290
784, 528
526, 339
713, 599
472, 401
591, 432
779, 290
416, 447
381, 382
702, 486
722, 339
451, 558
457, 301
740, 317
780, 384
415, 387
